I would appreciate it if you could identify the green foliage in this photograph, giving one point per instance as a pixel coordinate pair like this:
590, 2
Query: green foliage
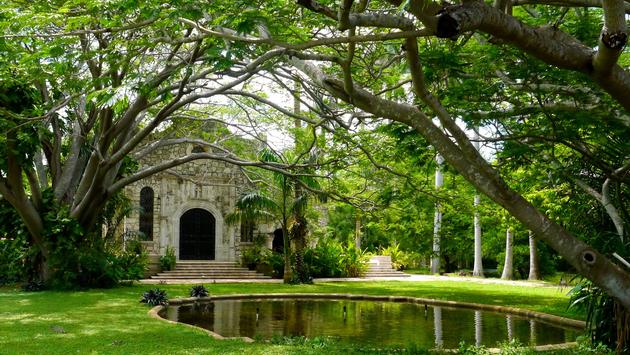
585, 346
324, 259
78, 259
155, 297
168, 260
130, 263
601, 314
13, 245
331, 258
353, 261
256, 254
468, 349
401, 260
12, 256
276, 263
199, 291
515, 347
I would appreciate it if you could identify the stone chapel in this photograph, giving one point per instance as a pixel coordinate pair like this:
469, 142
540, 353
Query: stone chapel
185, 207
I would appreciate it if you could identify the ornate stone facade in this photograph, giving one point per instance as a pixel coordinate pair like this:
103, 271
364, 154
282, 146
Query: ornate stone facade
207, 185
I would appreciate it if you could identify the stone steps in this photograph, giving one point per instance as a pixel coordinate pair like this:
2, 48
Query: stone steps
381, 266
208, 270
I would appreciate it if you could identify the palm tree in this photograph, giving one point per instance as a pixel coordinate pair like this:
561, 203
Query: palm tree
284, 201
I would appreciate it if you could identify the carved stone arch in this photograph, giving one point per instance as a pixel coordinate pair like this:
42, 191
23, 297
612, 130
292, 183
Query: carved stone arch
223, 244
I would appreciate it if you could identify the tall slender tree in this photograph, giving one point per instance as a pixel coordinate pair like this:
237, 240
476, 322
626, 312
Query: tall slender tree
508, 269
534, 268
437, 220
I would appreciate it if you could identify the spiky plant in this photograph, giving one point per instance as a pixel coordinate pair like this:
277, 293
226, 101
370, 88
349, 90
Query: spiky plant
199, 291
155, 297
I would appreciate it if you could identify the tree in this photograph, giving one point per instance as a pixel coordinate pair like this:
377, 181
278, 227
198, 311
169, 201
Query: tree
283, 199
437, 220
478, 263
508, 270
103, 78
365, 62
534, 269
552, 46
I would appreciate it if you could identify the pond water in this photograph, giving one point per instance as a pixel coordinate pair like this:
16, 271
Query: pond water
366, 322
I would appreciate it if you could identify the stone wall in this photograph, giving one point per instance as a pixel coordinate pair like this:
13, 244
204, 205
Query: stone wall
211, 185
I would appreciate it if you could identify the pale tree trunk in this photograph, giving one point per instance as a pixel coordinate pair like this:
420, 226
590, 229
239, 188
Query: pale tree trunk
478, 264
534, 273
357, 231
604, 199
437, 220
508, 272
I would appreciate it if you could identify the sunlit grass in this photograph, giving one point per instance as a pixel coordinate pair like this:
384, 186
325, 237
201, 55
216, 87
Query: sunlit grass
114, 321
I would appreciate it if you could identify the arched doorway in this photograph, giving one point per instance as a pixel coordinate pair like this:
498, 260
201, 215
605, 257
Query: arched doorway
196, 235
277, 244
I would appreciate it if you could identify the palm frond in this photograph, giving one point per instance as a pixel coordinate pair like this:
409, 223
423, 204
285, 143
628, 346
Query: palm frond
269, 156
255, 200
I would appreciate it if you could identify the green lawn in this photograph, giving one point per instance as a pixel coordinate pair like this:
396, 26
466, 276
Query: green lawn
113, 321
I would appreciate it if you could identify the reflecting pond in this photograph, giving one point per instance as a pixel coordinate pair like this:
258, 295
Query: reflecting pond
366, 322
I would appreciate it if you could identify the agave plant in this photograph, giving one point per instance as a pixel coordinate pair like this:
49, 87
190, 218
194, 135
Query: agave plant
154, 297
199, 291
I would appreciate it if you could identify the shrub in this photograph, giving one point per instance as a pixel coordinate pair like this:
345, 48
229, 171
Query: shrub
255, 255
199, 291
276, 261
132, 265
13, 245
168, 260
323, 259
154, 297
353, 261
34, 286
12, 255
606, 320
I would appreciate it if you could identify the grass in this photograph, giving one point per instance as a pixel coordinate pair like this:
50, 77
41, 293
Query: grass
114, 322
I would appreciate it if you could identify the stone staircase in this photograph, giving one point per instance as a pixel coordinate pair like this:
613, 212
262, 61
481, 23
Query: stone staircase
208, 270
381, 266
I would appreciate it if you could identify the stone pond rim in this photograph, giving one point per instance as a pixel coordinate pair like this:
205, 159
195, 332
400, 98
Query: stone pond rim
556, 320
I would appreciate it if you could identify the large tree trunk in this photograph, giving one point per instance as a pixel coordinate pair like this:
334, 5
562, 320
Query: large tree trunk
508, 270
534, 270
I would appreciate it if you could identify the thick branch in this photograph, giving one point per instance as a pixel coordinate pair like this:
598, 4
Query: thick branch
585, 259
546, 43
567, 3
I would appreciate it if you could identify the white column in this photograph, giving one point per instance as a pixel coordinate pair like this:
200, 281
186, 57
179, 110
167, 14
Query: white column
437, 220
508, 273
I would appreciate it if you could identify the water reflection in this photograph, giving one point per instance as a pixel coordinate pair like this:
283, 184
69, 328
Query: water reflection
532, 332
437, 325
368, 322
510, 327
